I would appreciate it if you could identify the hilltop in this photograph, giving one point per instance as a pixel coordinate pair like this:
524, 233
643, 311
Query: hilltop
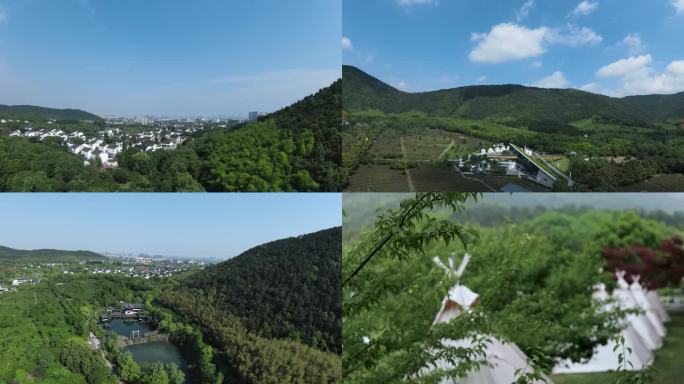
275, 288
362, 91
47, 255
33, 113
274, 312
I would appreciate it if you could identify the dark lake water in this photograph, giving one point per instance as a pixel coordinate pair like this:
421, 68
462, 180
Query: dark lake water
125, 327
158, 351
164, 352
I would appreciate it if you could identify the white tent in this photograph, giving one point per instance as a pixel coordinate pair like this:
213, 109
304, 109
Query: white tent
639, 294
640, 322
654, 299
503, 358
604, 358
459, 299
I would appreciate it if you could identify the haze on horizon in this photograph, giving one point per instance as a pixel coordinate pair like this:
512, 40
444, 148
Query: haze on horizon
612, 47
216, 226
167, 57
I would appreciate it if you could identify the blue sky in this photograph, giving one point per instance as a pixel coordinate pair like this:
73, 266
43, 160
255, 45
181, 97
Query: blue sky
614, 47
173, 57
195, 225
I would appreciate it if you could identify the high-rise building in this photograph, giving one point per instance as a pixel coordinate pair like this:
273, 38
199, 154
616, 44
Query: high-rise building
253, 116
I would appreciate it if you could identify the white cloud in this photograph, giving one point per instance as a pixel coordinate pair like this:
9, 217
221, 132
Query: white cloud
634, 43
637, 76
573, 36
405, 3
401, 85
509, 41
524, 10
346, 43
537, 64
556, 80
586, 7
630, 67
679, 4
482, 79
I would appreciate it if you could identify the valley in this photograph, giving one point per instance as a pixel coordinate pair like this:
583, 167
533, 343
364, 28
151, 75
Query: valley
600, 143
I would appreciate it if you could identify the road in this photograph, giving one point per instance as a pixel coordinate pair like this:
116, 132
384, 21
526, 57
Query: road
557, 171
471, 179
408, 174
451, 145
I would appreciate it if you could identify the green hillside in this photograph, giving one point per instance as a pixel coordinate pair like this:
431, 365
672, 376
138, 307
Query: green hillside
283, 288
46, 255
295, 149
273, 312
364, 92
33, 113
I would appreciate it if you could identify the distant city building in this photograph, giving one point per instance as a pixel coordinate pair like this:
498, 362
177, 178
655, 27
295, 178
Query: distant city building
253, 116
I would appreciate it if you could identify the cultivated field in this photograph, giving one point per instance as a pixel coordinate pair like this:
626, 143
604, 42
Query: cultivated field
422, 145
427, 177
378, 178
658, 183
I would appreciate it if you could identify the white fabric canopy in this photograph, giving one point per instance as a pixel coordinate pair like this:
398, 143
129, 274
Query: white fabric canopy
503, 358
657, 305
640, 296
604, 358
640, 322
460, 298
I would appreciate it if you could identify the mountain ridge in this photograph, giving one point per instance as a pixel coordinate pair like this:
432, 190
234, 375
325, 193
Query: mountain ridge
363, 91
32, 112
291, 279
47, 255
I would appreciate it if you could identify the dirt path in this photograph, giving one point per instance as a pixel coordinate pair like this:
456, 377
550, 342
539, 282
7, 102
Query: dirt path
471, 179
448, 148
408, 174
657, 186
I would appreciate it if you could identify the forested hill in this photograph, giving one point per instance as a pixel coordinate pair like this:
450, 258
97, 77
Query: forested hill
285, 289
46, 255
364, 92
273, 313
295, 149
33, 113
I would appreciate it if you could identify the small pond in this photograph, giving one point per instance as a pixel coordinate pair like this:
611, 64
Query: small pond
124, 327
164, 352
158, 351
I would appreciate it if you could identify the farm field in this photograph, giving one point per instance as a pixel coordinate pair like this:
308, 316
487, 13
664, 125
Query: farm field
427, 177
378, 178
421, 145
667, 360
658, 183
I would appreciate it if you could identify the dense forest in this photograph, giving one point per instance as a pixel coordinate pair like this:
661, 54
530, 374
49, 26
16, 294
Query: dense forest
274, 308
285, 289
46, 255
534, 277
295, 149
